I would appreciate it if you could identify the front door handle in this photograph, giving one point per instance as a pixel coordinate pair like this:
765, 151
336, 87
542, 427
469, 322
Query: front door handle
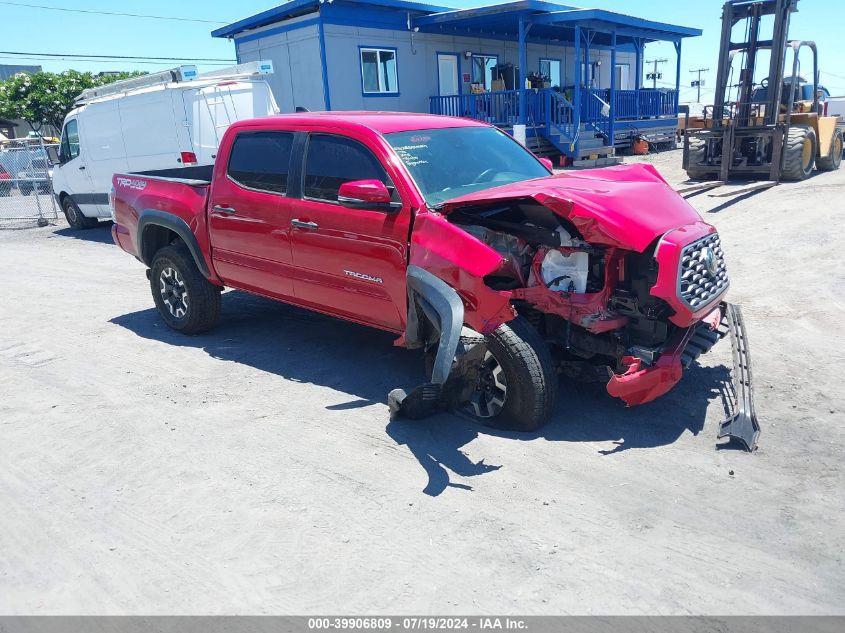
225, 210
310, 226
81, 168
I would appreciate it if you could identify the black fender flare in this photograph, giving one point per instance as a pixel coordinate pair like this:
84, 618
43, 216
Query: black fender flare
442, 306
154, 217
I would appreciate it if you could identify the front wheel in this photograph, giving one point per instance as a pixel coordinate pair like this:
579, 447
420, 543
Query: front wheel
833, 159
185, 299
516, 384
799, 153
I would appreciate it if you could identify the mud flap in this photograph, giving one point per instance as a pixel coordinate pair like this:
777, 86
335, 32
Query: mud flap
742, 425
442, 306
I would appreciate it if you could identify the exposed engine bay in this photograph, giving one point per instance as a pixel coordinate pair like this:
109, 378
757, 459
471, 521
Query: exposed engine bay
592, 303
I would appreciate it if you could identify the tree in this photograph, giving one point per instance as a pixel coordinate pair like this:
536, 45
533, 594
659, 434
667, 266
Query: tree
46, 98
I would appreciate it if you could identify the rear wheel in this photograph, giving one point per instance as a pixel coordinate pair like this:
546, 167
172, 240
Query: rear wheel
833, 159
185, 299
697, 155
799, 153
5, 189
74, 215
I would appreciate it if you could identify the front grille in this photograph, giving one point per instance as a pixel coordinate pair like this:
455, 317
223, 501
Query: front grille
703, 275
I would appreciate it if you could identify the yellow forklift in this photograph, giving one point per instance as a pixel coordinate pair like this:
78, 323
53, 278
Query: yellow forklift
770, 129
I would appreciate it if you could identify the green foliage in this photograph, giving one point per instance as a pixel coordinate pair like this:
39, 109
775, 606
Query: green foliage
45, 98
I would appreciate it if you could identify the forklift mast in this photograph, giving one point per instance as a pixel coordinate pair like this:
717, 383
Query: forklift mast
752, 12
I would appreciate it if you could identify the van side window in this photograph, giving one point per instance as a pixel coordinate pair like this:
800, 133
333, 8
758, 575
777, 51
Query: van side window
334, 160
70, 141
261, 160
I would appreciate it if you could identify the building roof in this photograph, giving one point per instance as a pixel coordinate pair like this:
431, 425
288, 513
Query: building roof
295, 8
550, 21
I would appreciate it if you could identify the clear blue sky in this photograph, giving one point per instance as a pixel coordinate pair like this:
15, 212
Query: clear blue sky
34, 30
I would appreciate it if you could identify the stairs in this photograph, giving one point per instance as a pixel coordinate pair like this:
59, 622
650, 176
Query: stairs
593, 150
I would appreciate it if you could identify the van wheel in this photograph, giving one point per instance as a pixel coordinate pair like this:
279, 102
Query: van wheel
186, 300
833, 159
74, 216
799, 153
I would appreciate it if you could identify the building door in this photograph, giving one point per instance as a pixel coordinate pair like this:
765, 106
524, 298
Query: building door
447, 69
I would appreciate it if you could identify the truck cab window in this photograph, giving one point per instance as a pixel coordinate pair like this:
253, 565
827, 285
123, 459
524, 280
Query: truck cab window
261, 160
334, 160
70, 141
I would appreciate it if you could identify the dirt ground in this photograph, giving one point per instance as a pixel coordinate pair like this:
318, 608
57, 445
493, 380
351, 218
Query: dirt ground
255, 470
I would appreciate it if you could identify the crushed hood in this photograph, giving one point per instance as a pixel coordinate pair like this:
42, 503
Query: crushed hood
627, 206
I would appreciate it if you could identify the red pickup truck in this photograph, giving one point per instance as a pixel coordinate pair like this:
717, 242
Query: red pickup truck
452, 235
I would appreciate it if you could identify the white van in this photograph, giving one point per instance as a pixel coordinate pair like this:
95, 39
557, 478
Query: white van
156, 123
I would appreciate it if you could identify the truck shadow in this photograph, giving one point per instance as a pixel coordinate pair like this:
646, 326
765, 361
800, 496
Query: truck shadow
100, 233
303, 346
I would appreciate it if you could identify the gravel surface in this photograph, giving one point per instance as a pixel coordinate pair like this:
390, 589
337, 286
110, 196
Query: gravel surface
254, 469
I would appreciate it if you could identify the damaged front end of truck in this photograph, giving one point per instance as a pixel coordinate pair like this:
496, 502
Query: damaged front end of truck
619, 275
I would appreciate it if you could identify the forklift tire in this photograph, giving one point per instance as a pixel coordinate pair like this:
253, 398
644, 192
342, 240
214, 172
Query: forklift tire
833, 159
697, 153
799, 153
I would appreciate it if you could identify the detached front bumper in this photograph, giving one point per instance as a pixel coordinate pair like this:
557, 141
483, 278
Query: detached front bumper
642, 383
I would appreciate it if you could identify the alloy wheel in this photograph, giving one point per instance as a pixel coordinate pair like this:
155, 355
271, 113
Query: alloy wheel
174, 293
491, 389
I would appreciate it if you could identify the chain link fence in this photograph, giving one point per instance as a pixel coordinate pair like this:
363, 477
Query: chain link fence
26, 187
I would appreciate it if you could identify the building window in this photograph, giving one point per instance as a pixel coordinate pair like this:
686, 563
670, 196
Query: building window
378, 71
482, 70
551, 68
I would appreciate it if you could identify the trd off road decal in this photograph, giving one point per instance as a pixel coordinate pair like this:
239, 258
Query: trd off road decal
132, 183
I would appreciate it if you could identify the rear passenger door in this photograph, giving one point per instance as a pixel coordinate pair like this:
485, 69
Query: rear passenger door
351, 262
249, 213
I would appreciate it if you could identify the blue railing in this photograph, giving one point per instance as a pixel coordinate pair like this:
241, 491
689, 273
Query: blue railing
556, 111
499, 108
547, 108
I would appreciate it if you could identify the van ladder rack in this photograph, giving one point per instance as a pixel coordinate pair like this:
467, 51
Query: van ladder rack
179, 74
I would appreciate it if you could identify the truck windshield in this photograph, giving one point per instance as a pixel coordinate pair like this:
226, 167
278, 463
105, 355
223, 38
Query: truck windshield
451, 162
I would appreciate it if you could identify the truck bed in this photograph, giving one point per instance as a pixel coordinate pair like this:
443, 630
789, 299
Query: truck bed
176, 195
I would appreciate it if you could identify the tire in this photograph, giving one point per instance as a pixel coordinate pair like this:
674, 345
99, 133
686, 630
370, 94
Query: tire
74, 216
25, 190
186, 301
5, 189
697, 152
799, 153
527, 372
833, 159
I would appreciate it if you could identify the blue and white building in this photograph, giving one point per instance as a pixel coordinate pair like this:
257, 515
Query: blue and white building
572, 76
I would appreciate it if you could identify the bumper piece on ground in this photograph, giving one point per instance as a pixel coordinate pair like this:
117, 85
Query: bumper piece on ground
742, 424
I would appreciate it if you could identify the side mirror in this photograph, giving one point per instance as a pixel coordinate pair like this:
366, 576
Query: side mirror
53, 155
547, 163
366, 194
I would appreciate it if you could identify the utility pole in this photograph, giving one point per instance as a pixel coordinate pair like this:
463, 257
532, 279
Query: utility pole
697, 83
654, 76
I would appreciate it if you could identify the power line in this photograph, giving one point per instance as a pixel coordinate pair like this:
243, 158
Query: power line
109, 13
119, 57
